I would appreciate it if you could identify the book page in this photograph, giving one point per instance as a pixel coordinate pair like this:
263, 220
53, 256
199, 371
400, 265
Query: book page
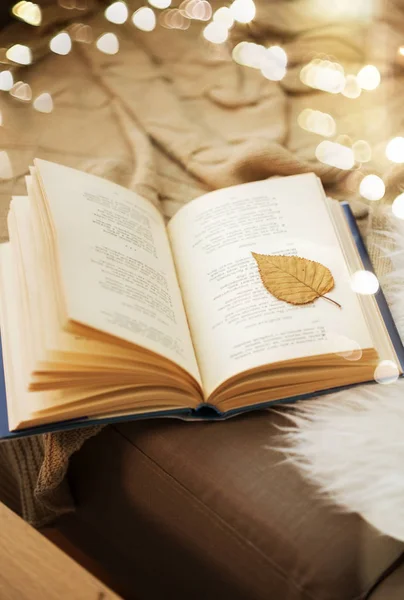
115, 263
236, 324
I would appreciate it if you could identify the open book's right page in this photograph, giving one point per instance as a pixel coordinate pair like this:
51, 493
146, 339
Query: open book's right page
236, 324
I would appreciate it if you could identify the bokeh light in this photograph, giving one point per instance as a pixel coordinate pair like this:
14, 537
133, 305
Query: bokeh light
274, 62
273, 72
277, 55
318, 122
243, 11
397, 207
223, 15
271, 61
323, 75
352, 350
43, 103
200, 10
362, 151
6, 81
386, 372
21, 91
335, 155
372, 187
364, 282
395, 150
216, 33
144, 19
29, 12
368, 77
249, 54
81, 33
351, 89
19, 54
108, 43
161, 4
117, 13
174, 18
61, 43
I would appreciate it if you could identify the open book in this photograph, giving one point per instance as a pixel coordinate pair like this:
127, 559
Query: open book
106, 312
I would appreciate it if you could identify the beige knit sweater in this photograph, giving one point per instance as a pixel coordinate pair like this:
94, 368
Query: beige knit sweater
172, 116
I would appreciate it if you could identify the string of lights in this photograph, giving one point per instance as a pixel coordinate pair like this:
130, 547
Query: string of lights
319, 74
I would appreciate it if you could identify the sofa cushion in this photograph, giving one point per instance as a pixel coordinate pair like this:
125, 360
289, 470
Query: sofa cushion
207, 510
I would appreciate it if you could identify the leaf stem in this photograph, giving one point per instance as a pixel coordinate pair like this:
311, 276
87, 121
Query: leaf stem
331, 300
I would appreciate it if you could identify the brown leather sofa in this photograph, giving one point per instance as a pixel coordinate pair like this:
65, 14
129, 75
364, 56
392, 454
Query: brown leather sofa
207, 510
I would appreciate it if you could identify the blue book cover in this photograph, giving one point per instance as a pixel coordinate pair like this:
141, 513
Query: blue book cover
206, 411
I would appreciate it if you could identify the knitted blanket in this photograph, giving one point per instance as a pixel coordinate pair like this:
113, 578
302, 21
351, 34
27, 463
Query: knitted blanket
171, 117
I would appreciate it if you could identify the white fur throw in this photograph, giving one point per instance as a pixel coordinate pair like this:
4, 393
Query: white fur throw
351, 444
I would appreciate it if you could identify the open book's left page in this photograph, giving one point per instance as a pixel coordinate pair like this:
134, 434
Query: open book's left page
115, 264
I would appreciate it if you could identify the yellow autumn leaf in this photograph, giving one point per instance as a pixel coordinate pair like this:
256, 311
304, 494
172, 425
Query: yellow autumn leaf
294, 279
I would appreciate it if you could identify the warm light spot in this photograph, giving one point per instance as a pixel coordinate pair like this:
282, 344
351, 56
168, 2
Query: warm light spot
335, 155
362, 151
318, 122
372, 187
278, 55
183, 6
203, 11
351, 349
398, 206
273, 64
6, 170
144, 19
81, 33
249, 54
216, 33
19, 54
353, 354
273, 72
401, 50
303, 118
28, 12
243, 11
117, 13
386, 372
224, 17
352, 89
199, 10
174, 19
161, 4
61, 43
238, 51
323, 75
364, 282
43, 103
395, 150
108, 43
368, 77
6, 81
21, 91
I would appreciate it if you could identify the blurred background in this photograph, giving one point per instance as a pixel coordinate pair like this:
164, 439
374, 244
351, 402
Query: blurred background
175, 98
